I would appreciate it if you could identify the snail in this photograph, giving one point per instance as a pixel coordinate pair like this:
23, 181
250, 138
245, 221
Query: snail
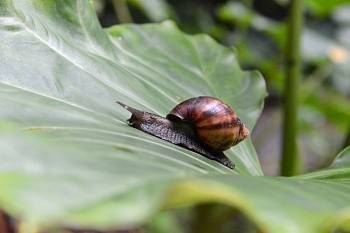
202, 124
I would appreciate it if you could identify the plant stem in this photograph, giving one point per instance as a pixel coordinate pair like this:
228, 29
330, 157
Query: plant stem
291, 162
122, 11
347, 139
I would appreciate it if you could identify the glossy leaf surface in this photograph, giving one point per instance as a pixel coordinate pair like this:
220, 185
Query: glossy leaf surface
74, 161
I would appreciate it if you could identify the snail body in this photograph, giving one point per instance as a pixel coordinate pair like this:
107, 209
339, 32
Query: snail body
202, 124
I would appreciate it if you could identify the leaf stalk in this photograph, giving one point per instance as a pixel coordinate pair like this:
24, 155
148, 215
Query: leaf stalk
291, 162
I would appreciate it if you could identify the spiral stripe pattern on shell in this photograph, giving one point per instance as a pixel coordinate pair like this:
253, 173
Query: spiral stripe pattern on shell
216, 124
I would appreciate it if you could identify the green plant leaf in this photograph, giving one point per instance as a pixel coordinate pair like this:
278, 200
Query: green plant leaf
65, 73
75, 162
37, 179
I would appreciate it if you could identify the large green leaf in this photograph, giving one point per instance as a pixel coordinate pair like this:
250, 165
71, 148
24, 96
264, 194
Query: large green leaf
36, 180
65, 73
76, 162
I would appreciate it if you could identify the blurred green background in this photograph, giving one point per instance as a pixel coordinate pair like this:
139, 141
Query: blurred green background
257, 31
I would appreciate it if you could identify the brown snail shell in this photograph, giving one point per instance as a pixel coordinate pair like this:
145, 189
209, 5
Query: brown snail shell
202, 124
216, 124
